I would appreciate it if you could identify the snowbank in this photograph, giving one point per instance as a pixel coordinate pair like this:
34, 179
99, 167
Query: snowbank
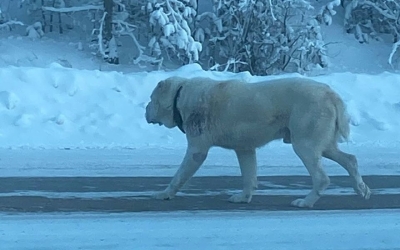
58, 107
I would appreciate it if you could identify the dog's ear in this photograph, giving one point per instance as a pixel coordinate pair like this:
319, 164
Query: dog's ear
166, 85
170, 86
161, 91
165, 94
162, 85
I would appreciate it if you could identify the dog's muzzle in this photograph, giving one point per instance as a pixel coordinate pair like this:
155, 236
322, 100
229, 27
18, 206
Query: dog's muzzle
149, 119
147, 115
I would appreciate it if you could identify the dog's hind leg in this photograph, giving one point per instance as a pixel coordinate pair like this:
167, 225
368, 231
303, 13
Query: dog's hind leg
320, 180
248, 167
349, 162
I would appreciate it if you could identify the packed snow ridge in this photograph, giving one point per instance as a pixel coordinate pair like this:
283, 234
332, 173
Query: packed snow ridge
58, 107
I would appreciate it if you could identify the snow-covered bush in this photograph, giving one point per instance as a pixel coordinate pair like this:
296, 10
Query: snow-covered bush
171, 24
264, 37
369, 18
35, 31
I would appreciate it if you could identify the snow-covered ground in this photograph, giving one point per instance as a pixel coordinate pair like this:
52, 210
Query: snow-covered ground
272, 160
87, 119
60, 119
204, 230
56, 107
46, 111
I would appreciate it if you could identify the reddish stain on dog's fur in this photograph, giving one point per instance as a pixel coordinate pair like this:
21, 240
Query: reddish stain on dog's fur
196, 123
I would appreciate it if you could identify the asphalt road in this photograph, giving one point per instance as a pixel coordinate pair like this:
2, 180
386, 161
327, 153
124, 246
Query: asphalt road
131, 194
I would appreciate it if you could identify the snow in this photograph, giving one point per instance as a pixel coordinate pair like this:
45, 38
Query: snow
65, 113
338, 230
52, 100
9, 23
73, 9
136, 195
100, 36
394, 50
35, 31
158, 161
56, 107
346, 54
99, 117
22, 52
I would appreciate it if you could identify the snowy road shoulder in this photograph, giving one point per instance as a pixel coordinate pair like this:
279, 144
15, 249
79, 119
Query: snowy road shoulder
342, 230
274, 159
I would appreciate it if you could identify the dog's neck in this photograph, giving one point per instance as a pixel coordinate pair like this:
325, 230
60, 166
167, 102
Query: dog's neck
177, 115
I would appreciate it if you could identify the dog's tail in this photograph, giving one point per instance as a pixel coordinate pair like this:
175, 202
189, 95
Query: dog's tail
342, 118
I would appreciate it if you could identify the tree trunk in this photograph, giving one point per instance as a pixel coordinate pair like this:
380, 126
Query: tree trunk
109, 40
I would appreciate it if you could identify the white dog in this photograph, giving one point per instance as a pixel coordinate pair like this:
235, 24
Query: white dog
243, 117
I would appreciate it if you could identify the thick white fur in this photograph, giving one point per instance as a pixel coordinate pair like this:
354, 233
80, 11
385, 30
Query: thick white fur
243, 117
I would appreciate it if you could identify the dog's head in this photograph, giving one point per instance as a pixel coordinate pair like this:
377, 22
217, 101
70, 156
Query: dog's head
160, 109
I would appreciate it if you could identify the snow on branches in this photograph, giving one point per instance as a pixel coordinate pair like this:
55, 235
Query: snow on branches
171, 23
7, 25
367, 19
327, 12
5, 22
395, 49
265, 37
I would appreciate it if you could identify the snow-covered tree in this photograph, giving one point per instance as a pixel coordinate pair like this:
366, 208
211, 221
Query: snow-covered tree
171, 25
124, 23
111, 50
264, 36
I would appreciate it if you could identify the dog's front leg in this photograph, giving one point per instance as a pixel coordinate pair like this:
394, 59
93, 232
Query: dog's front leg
191, 163
248, 167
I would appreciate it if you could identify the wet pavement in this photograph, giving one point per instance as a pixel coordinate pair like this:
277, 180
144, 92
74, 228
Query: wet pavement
132, 194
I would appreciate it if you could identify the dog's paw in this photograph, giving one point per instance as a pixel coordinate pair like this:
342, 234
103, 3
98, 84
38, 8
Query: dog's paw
163, 195
363, 190
240, 198
302, 203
